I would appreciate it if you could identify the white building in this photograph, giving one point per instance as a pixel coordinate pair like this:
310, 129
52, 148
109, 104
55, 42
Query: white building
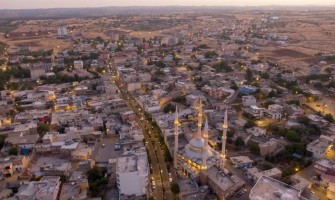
249, 101
320, 147
78, 64
62, 31
132, 174
268, 188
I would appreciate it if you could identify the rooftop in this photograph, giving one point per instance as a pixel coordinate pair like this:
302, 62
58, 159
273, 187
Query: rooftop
132, 163
267, 188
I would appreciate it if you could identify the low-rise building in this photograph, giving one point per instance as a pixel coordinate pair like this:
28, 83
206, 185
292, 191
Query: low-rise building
269, 188
249, 101
269, 147
254, 174
320, 147
242, 161
221, 183
256, 131
325, 166
132, 174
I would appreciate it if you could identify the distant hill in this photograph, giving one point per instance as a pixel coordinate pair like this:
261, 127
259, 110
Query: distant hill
107, 11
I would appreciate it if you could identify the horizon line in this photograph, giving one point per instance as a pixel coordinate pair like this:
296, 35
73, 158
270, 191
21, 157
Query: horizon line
157, 6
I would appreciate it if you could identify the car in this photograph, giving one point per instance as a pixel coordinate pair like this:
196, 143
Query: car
117, 147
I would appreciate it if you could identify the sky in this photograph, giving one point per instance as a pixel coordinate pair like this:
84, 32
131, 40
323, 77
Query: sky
26, 4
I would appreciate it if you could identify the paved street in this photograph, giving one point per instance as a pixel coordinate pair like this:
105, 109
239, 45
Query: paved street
325, 105
159, 169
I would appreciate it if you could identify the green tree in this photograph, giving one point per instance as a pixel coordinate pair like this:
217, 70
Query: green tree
239, 142
175, 188
97, 181
210, 54
13, 151
2, 140
42, 129
265, 75
254, 148
272, 94
250, 123
222, 67
169, 108
329, 118
304, 120
292, 136
249, 76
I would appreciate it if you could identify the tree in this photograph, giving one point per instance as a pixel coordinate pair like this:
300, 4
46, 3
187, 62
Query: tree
42, 129
2, 140
97, 181
329, 118
267, 166
254, 148
210, 54
169, 108
250, 123
272, 94
292, 136
304, 120
249, 75
175, 188
239, 142
13, 151
222, 67
265, 75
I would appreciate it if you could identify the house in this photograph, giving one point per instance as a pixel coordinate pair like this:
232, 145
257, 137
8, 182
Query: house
320, 147
248, 100
255, 174
241, 161
315, 70
269, 147
254, 111
247, 89
46, 189
222, 183
256, 131
279, 190
78, 64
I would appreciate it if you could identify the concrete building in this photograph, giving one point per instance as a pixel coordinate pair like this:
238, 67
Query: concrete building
62, 31
254, 174
256, 131
247, 89
78, 64
132, 174
325, 166
268, 188
320, 147
249, 101
269, 147
241, 161
45, 189
221, 183
315, 70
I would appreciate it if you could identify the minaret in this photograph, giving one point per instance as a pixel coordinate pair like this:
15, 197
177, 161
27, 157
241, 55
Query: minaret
175, 152
205, 136
199, 119
224, 135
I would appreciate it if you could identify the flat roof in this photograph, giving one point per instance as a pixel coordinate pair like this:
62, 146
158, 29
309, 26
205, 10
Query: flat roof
267, 188
132, 163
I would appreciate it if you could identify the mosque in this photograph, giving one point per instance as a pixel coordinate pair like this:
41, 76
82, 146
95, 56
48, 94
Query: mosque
197, 155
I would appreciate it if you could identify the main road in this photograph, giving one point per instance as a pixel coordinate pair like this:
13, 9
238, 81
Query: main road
159, 169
